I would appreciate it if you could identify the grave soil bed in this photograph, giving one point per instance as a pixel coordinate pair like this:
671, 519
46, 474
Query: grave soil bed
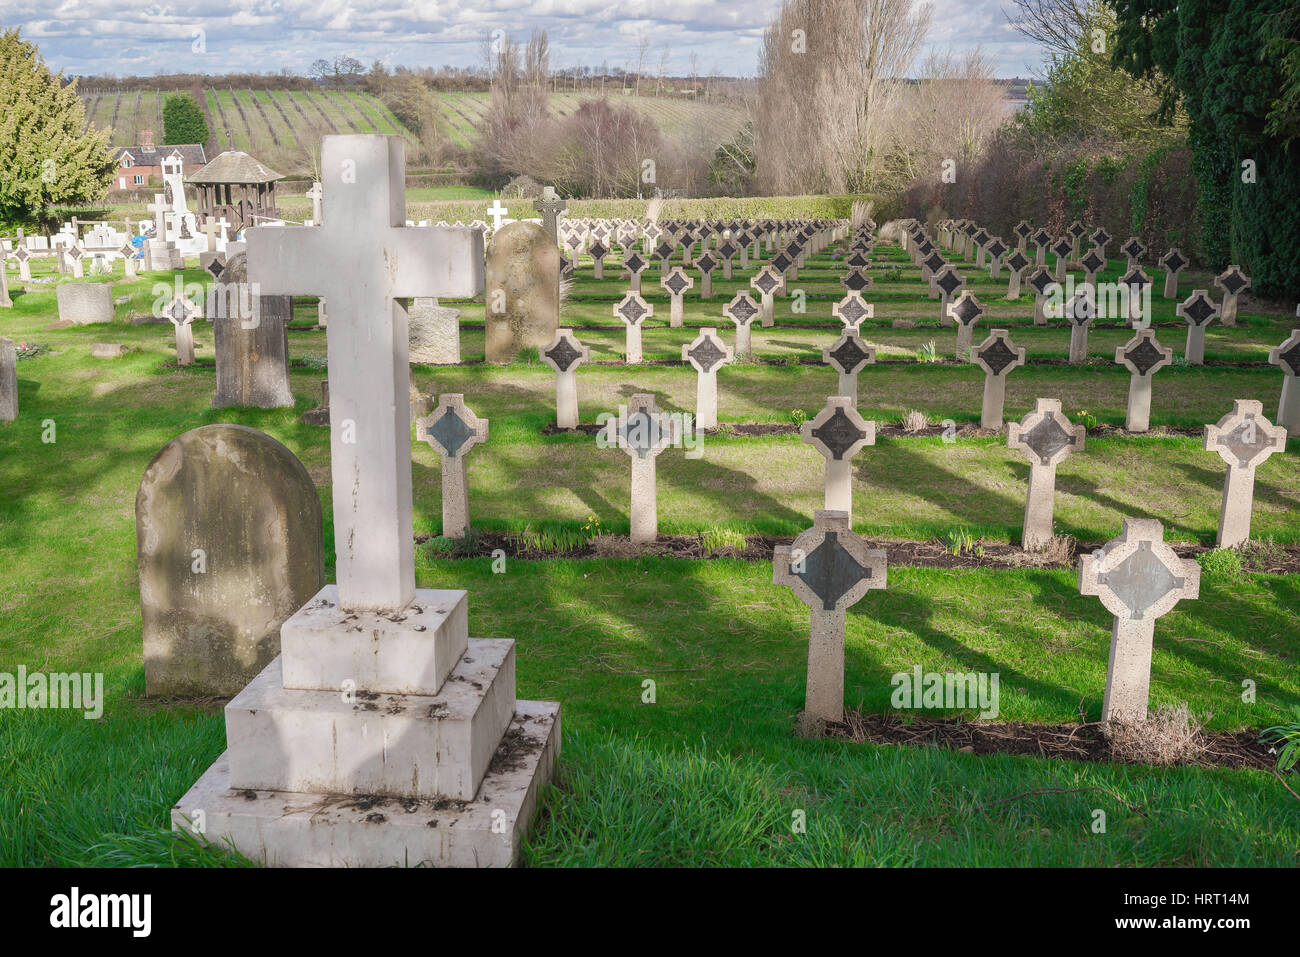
1072, 742
1282, 560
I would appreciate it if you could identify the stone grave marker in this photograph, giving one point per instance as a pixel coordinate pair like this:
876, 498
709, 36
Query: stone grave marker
291, 733
1287, 358
1062, 249
84, 303
598, 251
1042, 283
1233, 282
8, 380
1100, 239
1133, 251
996, 248
949, 283
452, 430
742, 310
1138, 579
1139, 287
1016, 264
852, 309
633, 266
250, 338
1174, 262
766, 282
1244, 440
676, 282
930, 265
1022, 232
1076, 233
727, 251
706, 264
1144, 356
1041, 240
181, 312
707, 354
965, 312
1198, 310
633, 310
5, 301
24, 259
522, 279
847, 355
1047, 438
643, 432
1092, 262
433, 332
551, 208
129, 263
230, 544
564, 355
830, 568
1080, 312
838, 433
997, 357
498, 214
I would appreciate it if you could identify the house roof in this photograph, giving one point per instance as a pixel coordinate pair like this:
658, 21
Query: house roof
191, 154
234, 166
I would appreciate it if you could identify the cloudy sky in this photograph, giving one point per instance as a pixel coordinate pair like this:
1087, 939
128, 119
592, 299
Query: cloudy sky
161, 36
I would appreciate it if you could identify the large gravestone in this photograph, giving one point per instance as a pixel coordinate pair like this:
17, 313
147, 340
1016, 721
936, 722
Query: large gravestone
251, 341
228, 528
85, 303
434, 332
522, 295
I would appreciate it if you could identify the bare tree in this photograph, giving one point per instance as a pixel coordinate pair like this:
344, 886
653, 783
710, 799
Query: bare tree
663, 64
1055, 24
642, 51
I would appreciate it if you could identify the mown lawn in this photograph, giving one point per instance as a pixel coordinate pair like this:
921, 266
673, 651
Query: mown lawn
710, 773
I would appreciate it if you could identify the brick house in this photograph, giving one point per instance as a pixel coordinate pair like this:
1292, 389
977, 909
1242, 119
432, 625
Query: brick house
135, 164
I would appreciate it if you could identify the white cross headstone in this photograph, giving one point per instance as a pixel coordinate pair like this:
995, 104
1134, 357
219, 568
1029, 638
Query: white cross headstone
1143, 356
452, 430
564, 354
1244, 439
1287, 358
1046, 437
633, 310
707, 354
997, 356
315, 194
498, 213
838, 433
366, 264
643, 432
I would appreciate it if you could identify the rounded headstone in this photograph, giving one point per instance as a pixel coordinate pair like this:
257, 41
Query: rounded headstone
83, 303
522, 290
230, 544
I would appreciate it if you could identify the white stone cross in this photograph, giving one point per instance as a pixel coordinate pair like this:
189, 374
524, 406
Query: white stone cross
1138, 578
643, 432
742, 310
1198, 310
212, 229
830, 569
181, 312
1287, 358
315, 194
159, 209
965, 310
852, 309
564, 354
838, 433
997, 356
452, 430
365, 264
1244, 439
497, 212
1233, 281
707, 354
1143, 356
676, 282
847, 355
633, 310
1046, 437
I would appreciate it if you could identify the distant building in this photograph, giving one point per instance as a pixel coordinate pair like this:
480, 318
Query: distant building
235, 187
135, 164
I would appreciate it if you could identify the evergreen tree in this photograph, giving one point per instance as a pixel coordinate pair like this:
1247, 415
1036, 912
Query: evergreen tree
45, 155
183, 120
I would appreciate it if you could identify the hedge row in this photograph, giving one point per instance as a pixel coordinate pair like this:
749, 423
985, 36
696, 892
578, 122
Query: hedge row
750, 207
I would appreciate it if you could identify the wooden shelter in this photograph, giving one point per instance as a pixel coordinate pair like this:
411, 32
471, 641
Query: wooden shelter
238, 188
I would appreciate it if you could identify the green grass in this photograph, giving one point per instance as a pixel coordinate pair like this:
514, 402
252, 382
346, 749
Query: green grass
710, 773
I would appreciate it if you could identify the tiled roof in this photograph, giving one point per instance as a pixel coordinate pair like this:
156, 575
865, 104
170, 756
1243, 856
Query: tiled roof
191, 154
234, 166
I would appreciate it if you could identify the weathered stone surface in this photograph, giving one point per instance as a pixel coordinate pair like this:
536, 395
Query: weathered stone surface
522, 283
251, 340
228, 529
434, 333
8, 380
108, 350
84, 303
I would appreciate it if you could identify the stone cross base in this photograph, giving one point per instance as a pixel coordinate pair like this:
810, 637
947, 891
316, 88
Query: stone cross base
379, 740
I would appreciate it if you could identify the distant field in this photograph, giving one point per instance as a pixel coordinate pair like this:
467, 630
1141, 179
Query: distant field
281, 126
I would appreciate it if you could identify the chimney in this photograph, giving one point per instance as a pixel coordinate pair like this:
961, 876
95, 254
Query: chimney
146, 140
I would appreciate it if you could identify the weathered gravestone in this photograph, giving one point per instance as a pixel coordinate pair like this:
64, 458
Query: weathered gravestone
707, 354
433, 331
250, 335
523, 290
181, 313
295, 739
949, 283
830, 569
633, 266
676, 282
839, 433
1233, 282
452, 430
643, 432
6, 302
1174, 262
997, 357
84, 303
741, 310
1138, 286
1138, 578
1092, 262
848, 355
1143, 356
228, 529
966, 311
1042, 283
1244, 440
706, 264
8, 380
1080, 311
852, 309
766, 282
551, 207
633, 310
1047, 438
1199, 311
1016, 264
1287, 357
564, 355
